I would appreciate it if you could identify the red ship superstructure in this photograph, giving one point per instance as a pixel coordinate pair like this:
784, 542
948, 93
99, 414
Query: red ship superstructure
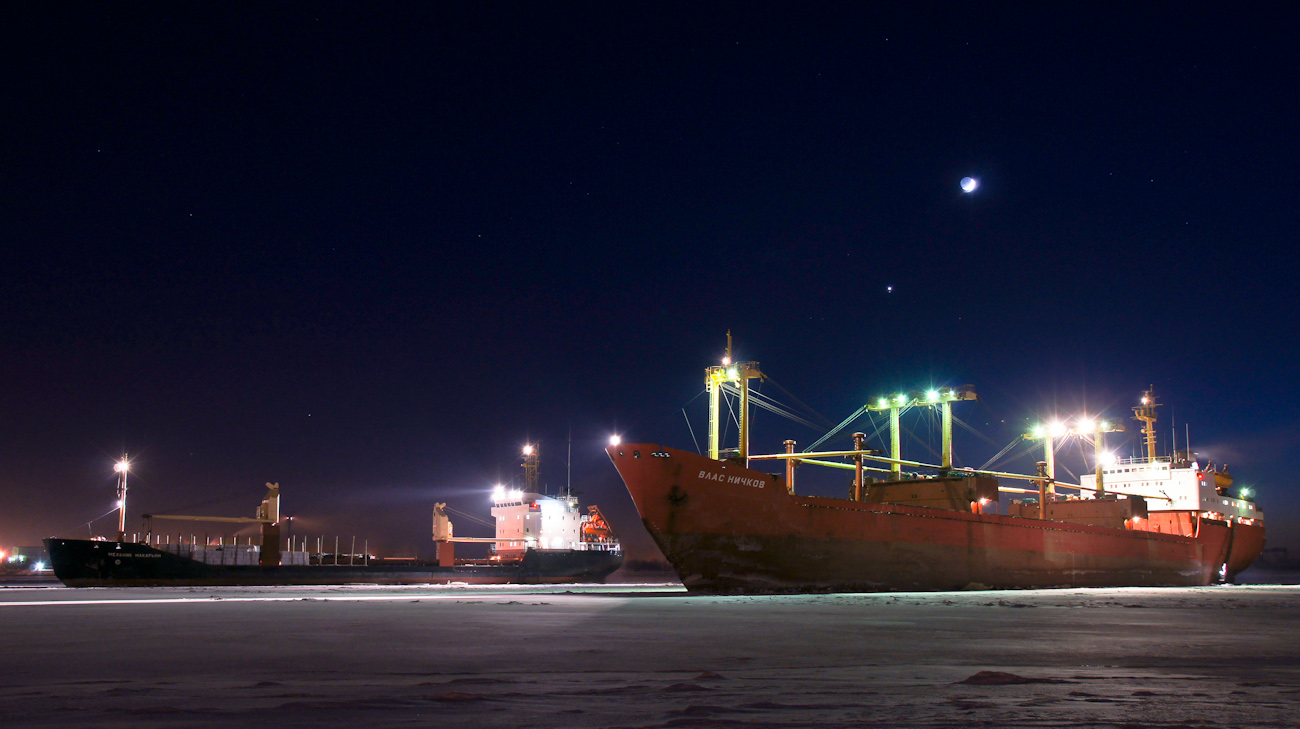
727, 527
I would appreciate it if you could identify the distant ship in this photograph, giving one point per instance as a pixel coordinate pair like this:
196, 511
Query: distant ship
539, 539
727, 527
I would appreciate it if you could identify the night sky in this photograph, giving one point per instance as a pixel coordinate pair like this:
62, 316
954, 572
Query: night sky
369, 250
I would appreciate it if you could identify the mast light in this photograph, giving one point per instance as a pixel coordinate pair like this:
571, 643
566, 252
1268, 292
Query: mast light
122, 466
615, 440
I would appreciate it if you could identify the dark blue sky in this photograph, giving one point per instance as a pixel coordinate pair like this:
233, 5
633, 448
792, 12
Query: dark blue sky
367, 250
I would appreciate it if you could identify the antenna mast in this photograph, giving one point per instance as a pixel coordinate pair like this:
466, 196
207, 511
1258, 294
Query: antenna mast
532, 454
1146, 412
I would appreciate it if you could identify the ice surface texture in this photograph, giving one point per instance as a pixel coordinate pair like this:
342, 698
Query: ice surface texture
648, 657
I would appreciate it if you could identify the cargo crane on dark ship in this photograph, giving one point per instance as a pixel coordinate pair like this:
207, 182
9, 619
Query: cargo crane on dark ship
727, 527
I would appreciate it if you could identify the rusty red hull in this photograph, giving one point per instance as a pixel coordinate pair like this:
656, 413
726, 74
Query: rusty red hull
726, 528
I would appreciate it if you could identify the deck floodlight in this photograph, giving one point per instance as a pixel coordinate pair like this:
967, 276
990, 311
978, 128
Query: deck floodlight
615, 440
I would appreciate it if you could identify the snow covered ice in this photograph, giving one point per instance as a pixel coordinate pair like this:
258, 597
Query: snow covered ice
648, 656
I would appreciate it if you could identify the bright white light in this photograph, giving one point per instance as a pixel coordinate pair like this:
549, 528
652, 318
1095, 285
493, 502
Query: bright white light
119, 504
615, 440
516, 495
733, 373
499, 493
1087, 426
38, 566
932, 395
1056, 428
968, 184
726, 361
1107, 458
984, 501
528, 450
121, 466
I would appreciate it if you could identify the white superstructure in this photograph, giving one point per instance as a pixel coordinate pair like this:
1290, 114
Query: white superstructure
1181, 486
526, 520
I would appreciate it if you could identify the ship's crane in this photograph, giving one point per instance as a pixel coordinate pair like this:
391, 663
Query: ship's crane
739, 374
268, 515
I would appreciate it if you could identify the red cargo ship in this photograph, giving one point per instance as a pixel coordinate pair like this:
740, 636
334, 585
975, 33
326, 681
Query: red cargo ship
726, 527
